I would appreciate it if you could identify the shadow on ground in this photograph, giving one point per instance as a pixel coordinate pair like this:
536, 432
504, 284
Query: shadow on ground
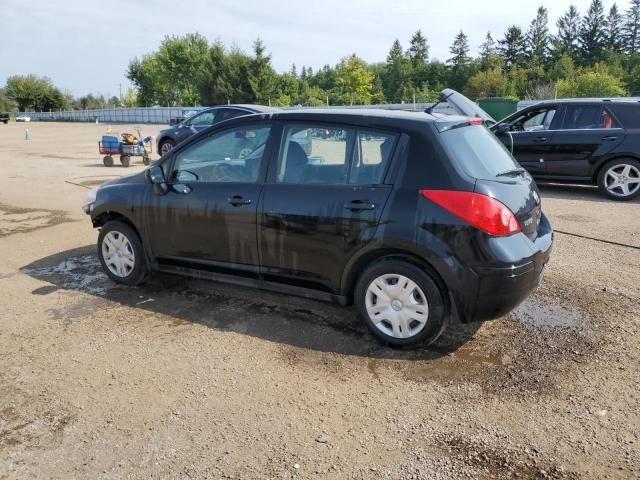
279, 318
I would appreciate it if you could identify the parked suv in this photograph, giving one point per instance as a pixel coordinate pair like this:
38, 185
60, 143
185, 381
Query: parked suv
169, 138
411, 218
4, 118
592, 141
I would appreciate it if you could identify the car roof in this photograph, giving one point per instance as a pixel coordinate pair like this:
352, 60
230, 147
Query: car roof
354, 115
625, 100
250, 108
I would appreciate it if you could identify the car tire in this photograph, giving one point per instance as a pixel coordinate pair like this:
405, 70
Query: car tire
107, 161
121, 254
620, 179
406, 313
166, 146
125, 160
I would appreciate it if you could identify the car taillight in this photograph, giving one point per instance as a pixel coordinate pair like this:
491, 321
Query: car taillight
483, 212
476, 121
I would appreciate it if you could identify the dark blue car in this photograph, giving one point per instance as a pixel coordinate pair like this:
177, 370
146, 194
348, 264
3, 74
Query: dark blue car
169, 138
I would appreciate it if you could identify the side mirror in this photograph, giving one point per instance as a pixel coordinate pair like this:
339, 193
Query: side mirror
155, 175
502, 128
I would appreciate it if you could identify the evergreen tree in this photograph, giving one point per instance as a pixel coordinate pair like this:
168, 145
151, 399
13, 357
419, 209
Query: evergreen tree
460, 51
397, 77
615, 40
568, 32
513, 47
592, 38
489, 46
294, 71
538, 38
418, 51
262, 77
631, 28
489, 56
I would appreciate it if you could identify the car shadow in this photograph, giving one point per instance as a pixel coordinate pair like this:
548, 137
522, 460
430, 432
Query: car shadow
562, 191
275, 317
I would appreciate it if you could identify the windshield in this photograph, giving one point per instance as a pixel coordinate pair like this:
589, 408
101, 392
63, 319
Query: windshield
478, 152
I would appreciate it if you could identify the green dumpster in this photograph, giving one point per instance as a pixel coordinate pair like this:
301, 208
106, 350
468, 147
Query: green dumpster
499, 107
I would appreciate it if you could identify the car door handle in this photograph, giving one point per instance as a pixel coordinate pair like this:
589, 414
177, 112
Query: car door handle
540, 139
360, 205
610, 138
237, 200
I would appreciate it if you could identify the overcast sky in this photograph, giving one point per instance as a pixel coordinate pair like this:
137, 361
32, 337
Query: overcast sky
85, 45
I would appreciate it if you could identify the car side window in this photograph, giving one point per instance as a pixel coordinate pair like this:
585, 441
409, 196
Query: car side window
228, 113
371, 156
584, 117
203, 119
314, 155
233, 155
533, 121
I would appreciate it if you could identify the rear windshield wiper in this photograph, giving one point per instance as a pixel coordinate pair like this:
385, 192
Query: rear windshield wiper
512, 173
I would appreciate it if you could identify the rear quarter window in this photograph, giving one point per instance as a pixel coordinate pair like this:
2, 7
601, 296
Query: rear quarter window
478, 152
629, 115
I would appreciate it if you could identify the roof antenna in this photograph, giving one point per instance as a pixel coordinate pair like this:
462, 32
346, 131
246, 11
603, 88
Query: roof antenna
443, 98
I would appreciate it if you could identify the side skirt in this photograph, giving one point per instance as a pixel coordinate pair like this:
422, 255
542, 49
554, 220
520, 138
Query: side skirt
253, 283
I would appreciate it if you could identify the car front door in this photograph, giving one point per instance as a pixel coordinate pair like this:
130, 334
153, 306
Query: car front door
322, 206
529, 135
208, 217
586, 134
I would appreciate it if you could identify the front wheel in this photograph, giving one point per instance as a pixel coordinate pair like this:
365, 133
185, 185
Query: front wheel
125, 160
121, 253
620, 179
166, 146
400, 303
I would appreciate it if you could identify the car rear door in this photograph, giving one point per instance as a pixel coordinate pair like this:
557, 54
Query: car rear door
208, 218
320, 208
587, 133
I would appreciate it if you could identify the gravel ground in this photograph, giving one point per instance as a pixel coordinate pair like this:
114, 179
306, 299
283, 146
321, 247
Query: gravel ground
182, 378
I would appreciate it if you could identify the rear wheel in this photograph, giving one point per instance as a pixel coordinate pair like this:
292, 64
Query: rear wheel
400, 303
108, 161
620, 179
146, 160
125, 160
121, 253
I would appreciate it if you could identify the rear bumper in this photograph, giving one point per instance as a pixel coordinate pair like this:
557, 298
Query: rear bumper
499, 288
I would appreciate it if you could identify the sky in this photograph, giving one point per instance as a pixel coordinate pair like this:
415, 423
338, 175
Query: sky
84, 46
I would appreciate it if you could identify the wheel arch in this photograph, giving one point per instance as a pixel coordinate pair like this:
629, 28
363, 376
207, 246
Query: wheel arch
600, 167
363, 261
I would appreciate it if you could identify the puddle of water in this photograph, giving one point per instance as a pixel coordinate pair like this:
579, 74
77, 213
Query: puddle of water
539, 314
76, 273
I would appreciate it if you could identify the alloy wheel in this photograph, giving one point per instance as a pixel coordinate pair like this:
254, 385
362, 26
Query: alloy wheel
397, 306
622, 180
166, 147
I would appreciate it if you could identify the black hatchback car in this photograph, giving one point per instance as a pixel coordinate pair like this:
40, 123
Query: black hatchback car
412, 218
590, 141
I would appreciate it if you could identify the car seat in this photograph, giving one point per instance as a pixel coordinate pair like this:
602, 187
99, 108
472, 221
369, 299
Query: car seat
296, 162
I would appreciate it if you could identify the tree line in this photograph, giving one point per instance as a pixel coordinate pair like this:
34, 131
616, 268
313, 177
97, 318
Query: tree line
594, 53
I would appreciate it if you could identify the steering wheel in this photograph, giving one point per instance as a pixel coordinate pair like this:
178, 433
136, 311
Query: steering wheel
517, 127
